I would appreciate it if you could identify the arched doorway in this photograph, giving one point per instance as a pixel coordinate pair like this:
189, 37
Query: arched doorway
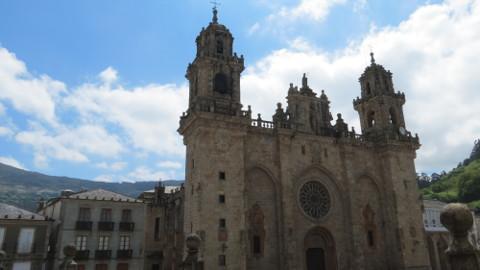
320, 251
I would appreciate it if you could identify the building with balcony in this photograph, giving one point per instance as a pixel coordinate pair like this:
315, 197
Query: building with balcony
107, 229
23, 237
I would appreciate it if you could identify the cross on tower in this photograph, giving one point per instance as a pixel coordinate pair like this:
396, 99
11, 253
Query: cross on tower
215, 11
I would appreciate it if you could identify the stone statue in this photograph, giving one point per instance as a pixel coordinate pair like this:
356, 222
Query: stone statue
191, 261
68, 263
462, 255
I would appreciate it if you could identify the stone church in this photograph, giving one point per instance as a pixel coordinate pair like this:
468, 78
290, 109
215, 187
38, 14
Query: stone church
296, 191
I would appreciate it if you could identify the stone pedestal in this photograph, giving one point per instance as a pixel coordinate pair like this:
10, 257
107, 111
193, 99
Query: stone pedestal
462, 255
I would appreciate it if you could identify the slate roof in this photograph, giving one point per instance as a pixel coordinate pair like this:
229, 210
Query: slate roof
101, 194
12, 212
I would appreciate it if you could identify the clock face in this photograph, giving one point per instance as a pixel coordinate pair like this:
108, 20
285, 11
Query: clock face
314, 199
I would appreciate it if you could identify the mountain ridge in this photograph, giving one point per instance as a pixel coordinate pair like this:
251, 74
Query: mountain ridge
24, 188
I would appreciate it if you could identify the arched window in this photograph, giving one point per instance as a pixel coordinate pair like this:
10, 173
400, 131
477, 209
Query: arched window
393, 116
371, 119
220, 84
219, 47
369, 90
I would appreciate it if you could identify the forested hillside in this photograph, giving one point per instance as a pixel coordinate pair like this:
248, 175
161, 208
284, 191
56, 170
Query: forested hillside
24, 188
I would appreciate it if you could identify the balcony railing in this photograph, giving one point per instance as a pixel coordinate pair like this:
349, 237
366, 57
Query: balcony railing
103, 254
105, 226
83, 225
126, 226
81, 255
124, 254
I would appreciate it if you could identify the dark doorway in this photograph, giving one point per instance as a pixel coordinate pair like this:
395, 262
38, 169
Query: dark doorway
316, 259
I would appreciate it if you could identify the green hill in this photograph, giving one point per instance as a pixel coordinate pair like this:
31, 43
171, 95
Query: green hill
23, 188
462, 184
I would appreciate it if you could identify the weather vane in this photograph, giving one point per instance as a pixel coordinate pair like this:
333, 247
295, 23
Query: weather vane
215, 5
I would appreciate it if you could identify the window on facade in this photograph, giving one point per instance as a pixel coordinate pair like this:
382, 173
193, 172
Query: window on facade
433, 223
84, 214
257, 246
222, 260
122, 266
371, 238
81, 242
369, 90
25, 240
219, 46
103, 242
22, 266
393, 116
155, 267
157, 228
2, 237
221, 84
222, 224
222, 176
221, 198
126, 215
101, 266
303, 150
81, 267
371, 119
124, 242
106, 214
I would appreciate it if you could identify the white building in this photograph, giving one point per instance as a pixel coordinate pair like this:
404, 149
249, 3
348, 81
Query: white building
107, 229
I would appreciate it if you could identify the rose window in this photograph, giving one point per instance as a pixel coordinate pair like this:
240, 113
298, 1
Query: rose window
314, 199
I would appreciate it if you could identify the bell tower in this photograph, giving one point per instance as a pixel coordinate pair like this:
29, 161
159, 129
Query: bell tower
214, 75
379, 107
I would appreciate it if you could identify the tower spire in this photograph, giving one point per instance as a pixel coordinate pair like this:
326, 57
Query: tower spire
215, 11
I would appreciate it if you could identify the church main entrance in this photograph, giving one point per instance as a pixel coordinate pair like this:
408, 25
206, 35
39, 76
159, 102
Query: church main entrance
320, 251
316, 259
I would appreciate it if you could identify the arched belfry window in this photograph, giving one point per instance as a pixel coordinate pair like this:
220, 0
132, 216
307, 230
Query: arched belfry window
393, 116
257, 230
368, 89
371, 119
219, 47
221, 84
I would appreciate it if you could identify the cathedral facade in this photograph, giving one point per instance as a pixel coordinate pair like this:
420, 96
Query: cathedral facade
297, 191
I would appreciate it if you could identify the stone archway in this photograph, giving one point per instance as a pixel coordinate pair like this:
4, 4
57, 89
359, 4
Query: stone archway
319, 250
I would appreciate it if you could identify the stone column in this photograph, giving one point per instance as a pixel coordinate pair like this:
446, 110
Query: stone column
458, 219
68, 263
191, 261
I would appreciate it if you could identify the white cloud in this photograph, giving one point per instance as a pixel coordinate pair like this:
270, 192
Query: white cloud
109, 75
170, 165
2, 109
11, 162
32, 95
149, 115
283, 17
143, 173
71, 144
434, 56
4, 131
115, 166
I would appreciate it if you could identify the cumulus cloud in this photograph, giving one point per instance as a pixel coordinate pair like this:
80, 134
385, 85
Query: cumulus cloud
34, 96
170, 165
4, 131
148, 115
434, 56
109, 75
11, 162
143, 173
71, 144
315, 10
115, 166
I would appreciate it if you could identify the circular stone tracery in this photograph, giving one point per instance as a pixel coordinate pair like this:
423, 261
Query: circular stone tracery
314, 199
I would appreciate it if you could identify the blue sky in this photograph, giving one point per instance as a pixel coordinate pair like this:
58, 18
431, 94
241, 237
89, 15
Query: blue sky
93, 89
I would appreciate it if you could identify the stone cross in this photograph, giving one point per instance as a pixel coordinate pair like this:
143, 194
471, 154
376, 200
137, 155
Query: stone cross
462, 255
